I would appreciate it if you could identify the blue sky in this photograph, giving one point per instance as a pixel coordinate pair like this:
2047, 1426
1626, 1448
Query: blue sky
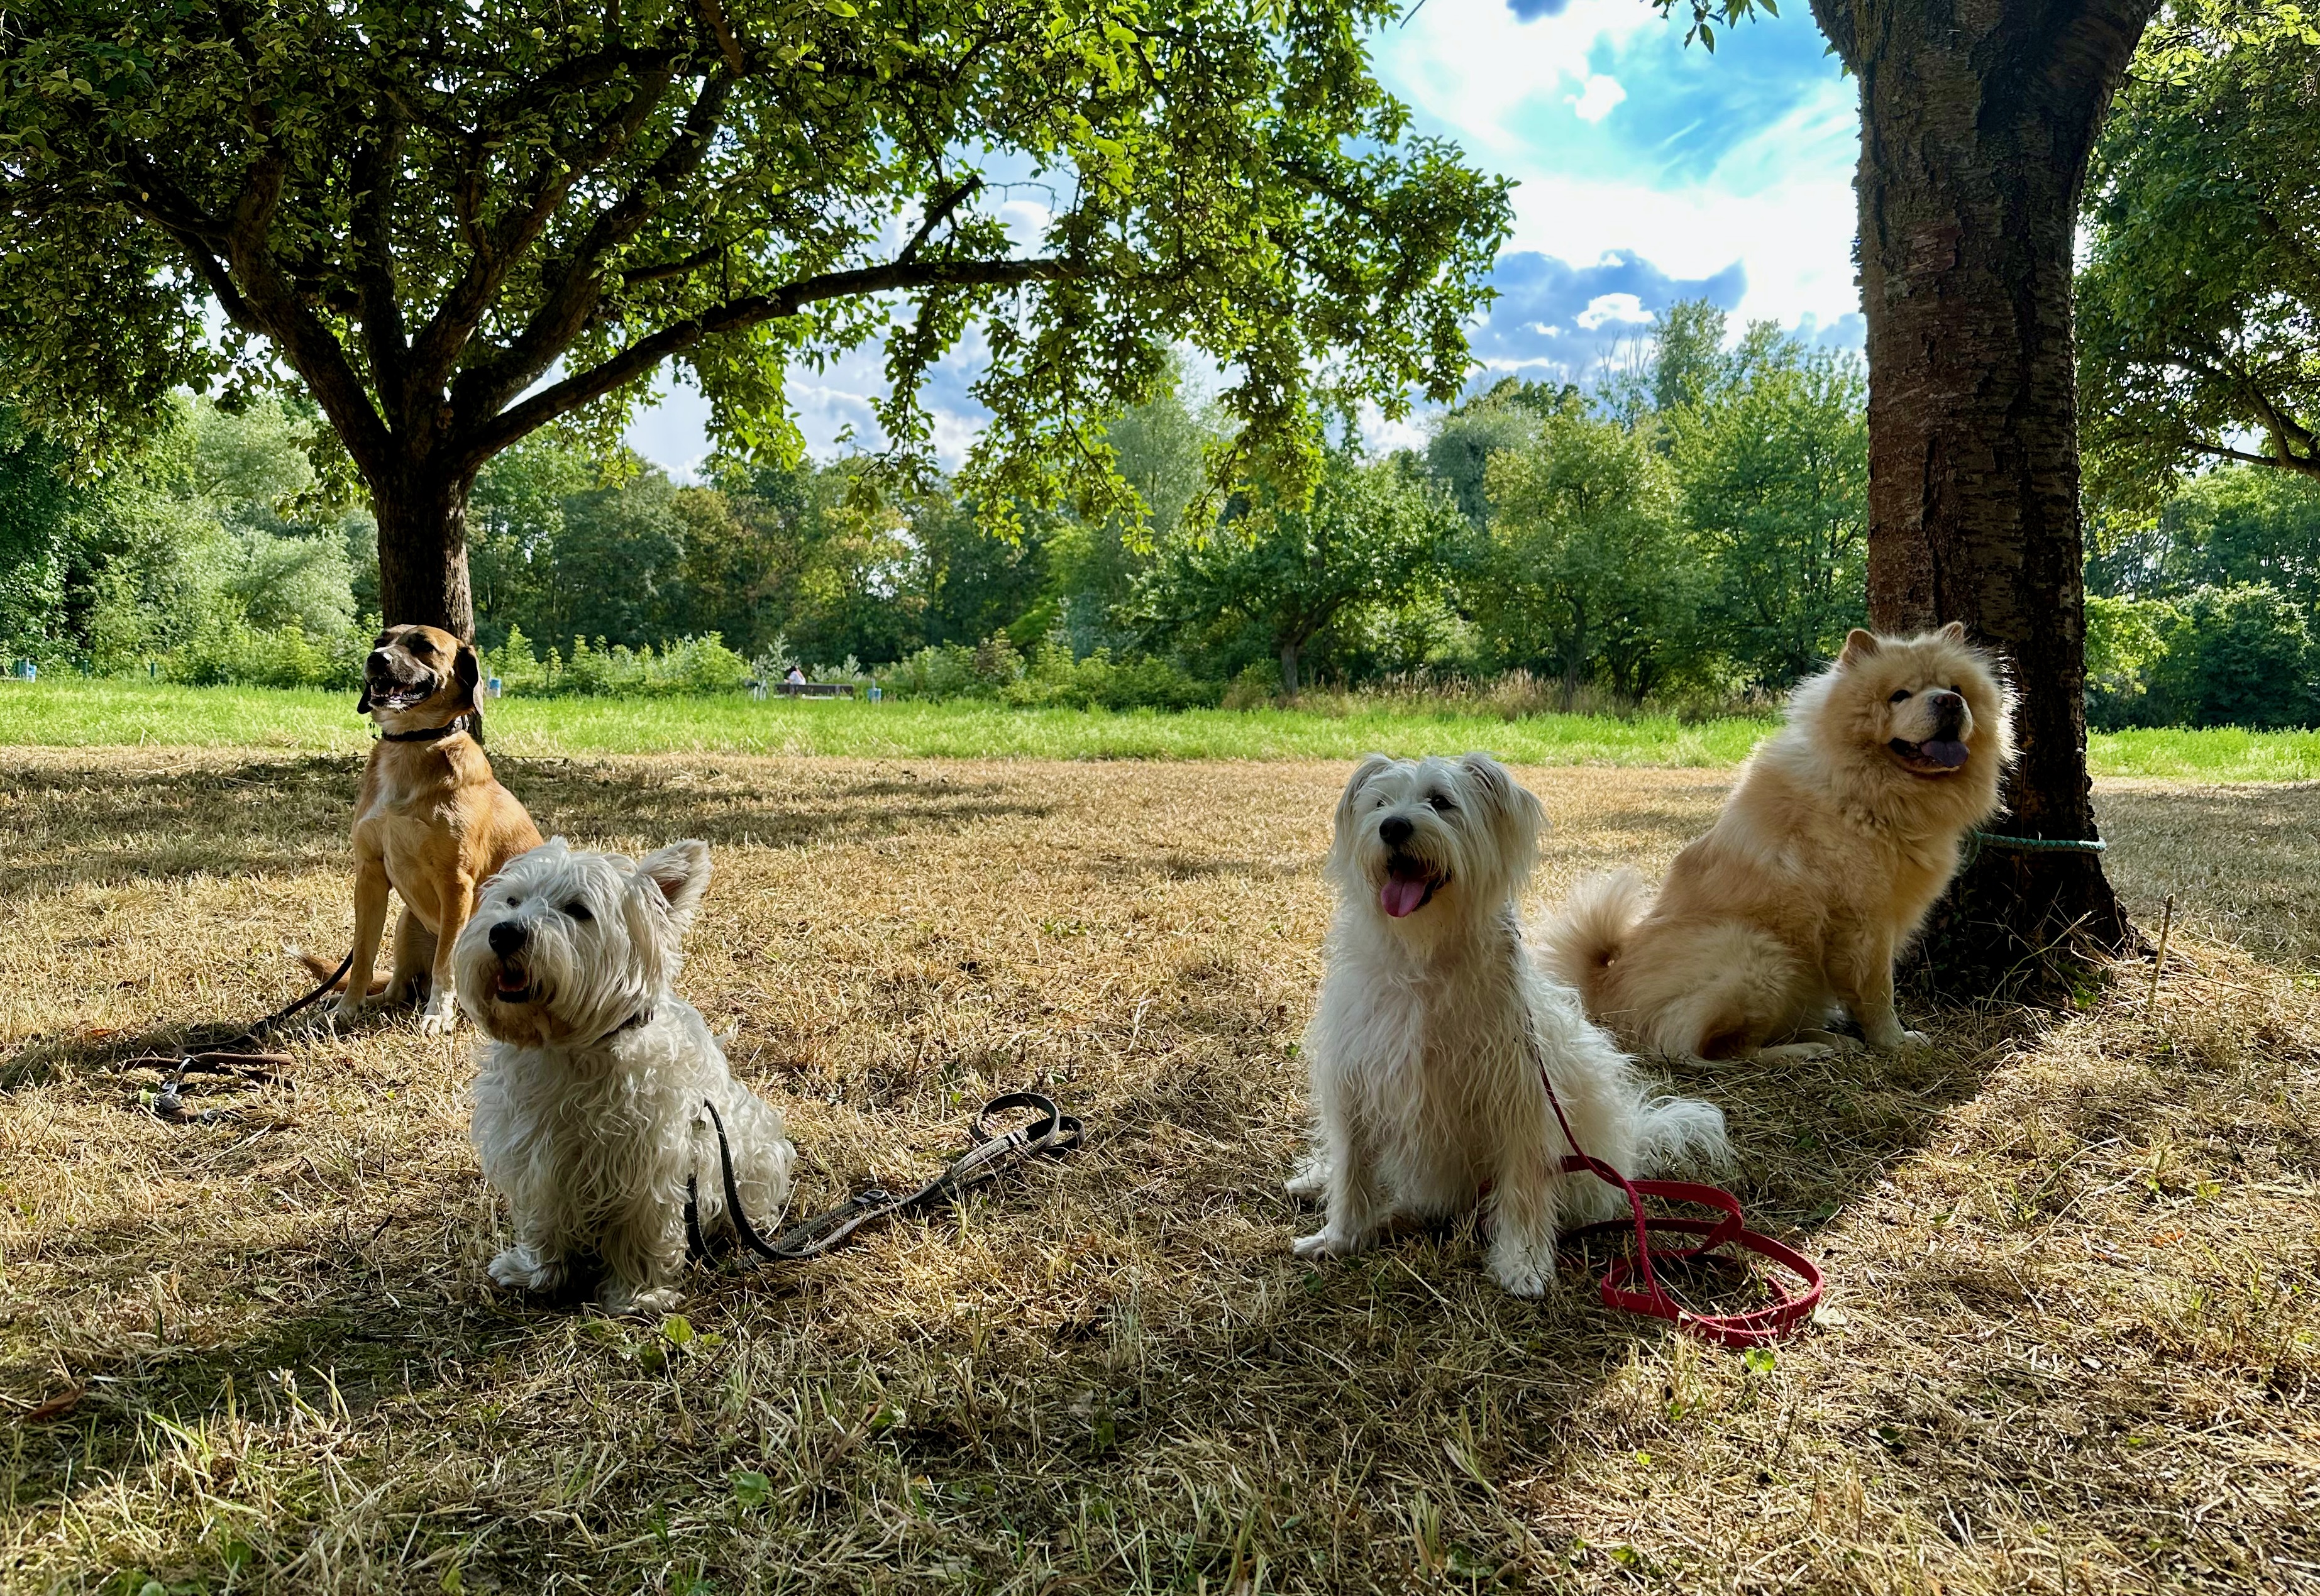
1646, 173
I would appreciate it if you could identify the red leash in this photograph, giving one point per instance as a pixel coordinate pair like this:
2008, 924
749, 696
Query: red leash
1758, 1326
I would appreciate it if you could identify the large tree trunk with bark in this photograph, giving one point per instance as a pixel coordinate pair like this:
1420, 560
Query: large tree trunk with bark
1976, 126
422, 550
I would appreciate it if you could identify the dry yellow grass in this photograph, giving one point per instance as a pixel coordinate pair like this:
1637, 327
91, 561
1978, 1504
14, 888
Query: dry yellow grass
2071, 1343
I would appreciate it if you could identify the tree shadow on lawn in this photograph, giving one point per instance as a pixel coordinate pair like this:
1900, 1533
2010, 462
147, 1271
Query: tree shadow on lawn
1206, 1357
111, 822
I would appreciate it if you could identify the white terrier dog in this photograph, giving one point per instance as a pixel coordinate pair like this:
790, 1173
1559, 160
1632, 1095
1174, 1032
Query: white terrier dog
588, 1106
1434, 1021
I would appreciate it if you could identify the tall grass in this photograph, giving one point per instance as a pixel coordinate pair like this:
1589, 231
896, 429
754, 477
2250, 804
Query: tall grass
75, 713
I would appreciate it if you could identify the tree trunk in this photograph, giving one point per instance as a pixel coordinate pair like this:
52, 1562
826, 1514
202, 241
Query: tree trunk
423, 551
1976, 126
1289, 670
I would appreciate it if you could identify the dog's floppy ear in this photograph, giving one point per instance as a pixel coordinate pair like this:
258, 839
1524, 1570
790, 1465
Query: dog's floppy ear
1504, 795
680, 872
1513, 812
1954, 631
468, 666
1370, 764
1859, 645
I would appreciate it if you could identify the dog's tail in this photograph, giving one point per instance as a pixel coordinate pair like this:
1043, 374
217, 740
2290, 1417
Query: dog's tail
1580, 940
1680, 1133
327, 969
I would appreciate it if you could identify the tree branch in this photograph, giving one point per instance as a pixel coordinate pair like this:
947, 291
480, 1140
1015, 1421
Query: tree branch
936, 214
2305, 465
255, 293
576, 290
375, 167
438, 345
729, 42
640, 358
636, 276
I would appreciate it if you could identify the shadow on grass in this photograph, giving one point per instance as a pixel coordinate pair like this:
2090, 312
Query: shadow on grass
1375, 1361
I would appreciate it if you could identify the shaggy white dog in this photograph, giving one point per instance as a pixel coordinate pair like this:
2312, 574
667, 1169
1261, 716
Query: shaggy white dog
1433, 1020
588, 1107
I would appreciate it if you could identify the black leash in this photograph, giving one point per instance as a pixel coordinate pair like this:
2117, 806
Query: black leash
1052, 1135
226, 1059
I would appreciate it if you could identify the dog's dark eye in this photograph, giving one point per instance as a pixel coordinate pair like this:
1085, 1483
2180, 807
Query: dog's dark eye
1898, 695
513, 900
1441, 804
578, 911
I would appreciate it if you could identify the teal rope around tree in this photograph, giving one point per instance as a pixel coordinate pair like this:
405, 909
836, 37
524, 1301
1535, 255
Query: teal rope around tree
2059, 844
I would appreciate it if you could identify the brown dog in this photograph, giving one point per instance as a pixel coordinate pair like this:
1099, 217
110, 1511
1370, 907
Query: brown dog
1844, 826
431, 822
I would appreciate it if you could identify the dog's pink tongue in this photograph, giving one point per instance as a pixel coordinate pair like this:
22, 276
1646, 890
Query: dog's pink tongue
1948, 755
1401, 894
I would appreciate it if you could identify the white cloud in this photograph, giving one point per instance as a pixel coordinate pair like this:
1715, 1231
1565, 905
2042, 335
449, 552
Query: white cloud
1777, 196
1476, 66
1594, 103
1612, 307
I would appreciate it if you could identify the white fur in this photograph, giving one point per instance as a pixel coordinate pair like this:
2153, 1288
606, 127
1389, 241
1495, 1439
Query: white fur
589, 1125
1426, 1040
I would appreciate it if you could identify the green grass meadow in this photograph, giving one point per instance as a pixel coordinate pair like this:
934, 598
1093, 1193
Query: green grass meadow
105, 713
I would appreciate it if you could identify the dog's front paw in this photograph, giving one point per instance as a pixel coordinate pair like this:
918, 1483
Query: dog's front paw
1525, 1271
621, 1300
524, 1270
437, 1019
1912, 1041
1325, 1243
1308, 1180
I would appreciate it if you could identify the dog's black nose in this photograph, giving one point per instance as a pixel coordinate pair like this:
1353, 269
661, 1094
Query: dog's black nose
1948, 707
1394, 831
507, 936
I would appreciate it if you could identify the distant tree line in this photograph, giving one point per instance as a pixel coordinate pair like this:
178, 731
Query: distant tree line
1692, 527
1690, 530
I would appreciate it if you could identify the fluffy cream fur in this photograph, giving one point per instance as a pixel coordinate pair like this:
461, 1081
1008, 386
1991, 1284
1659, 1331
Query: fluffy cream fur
588, 1113
1426, 1041
1843, 830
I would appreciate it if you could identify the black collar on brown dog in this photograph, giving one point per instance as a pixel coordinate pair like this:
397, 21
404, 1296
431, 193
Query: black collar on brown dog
428, 733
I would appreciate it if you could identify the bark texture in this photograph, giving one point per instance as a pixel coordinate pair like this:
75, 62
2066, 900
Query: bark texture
1978, 117
422, 553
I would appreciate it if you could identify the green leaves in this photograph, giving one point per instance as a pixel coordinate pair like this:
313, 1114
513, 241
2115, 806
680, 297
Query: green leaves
1371, 537
455, 227
2199, 307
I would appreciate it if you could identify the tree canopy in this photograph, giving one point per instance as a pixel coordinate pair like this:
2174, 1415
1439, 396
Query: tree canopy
455, 225
1372, 534
2199, 304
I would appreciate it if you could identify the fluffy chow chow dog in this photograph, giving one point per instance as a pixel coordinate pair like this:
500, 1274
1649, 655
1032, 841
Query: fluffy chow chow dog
588, 1101
1844, 828
1434, 1022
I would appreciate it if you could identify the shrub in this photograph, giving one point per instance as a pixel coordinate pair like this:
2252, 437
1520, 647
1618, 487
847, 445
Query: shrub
2129, 642
936, 673
1053, 679
2238, 656
2251, 661
234, 654
689, 665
